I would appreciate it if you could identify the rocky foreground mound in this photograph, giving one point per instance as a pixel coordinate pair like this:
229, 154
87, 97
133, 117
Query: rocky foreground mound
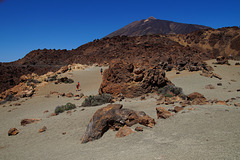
114, 116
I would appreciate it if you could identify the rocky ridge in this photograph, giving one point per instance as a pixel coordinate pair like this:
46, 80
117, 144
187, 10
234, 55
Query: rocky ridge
182, 52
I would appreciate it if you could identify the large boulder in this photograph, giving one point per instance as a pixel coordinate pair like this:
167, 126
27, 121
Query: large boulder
113, 116
123, 78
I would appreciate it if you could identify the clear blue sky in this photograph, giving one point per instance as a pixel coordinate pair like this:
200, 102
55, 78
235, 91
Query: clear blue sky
26, 25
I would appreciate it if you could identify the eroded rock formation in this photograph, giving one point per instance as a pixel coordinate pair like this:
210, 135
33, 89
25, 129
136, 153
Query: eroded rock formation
113, 116
130, 80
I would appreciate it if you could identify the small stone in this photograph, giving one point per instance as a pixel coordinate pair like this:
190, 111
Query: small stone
162, 113
209, 86
61, 94
69, 95
43, 129
64, 133
46, 111
139, 129
221, 103
143, 98
53, 114
17, 104
13, 131
237, 104
24, 122
124, 131
219, 84
177, 109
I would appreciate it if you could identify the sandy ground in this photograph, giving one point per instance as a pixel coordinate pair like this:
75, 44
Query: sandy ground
208, 132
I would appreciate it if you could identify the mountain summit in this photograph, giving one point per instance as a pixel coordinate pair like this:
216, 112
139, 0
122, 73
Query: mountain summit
152, 25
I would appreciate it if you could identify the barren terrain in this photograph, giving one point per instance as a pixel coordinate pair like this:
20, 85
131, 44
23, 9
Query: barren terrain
197, 132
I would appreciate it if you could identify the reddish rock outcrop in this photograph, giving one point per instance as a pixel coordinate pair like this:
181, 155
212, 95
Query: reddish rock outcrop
113, 116
19, 91
197, 99
122, 78
13, 131
162, 113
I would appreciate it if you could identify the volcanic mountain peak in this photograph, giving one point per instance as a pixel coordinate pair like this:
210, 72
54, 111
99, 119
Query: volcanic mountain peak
152, 25
150, 18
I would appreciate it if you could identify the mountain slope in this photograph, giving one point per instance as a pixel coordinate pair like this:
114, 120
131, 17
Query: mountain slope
223, 41
152, 49
155, 26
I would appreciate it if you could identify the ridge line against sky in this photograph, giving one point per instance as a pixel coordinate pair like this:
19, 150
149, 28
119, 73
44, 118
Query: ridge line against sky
59, 24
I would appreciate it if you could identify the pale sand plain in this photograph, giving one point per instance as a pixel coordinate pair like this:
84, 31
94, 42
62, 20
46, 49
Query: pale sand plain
207, 132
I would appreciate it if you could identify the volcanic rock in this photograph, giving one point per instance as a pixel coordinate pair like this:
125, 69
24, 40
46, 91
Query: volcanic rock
63, 69
217, 76
162, 113
209, 86
139, 129
119, 79
197, 99
237, 104
13, 131
152, 25
43, 129
221, 60
24, 122
113, 116
177, 109
69, 95
124, 131
221, 103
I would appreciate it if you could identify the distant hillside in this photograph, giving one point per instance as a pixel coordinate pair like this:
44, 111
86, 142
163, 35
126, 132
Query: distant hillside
155, 26
174, 50
223, 41
151, 49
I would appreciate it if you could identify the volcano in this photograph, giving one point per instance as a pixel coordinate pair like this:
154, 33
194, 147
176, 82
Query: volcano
152, 25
